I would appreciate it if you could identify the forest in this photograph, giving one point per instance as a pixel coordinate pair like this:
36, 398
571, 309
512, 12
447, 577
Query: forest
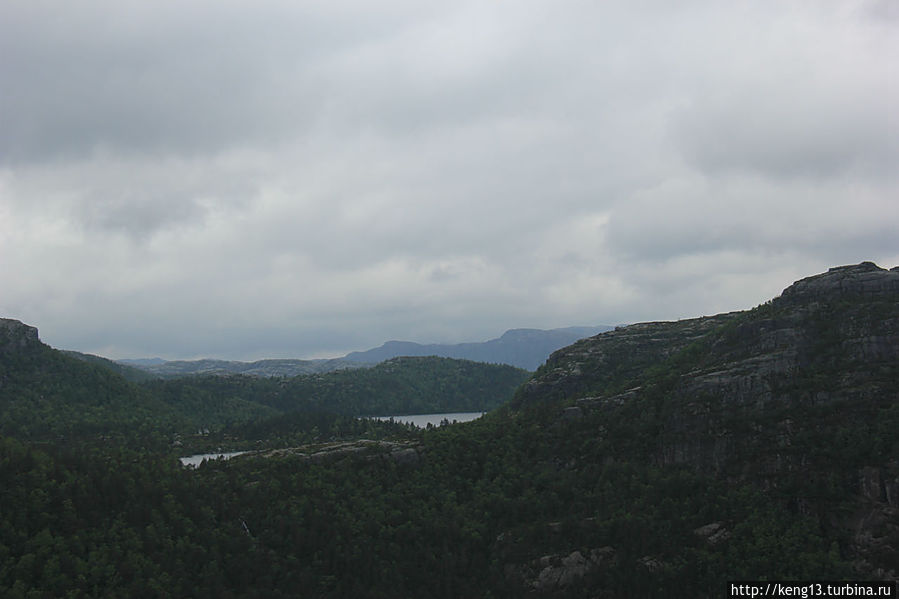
661, 459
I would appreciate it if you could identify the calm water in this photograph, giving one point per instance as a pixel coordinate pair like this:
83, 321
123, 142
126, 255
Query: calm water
196, 460
419, 420
422, 420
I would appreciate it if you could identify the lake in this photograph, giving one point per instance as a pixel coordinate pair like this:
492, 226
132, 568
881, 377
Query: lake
197, 459
419, 420
423, 420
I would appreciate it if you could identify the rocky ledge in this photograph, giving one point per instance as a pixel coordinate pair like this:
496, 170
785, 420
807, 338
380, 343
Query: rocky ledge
399, 452
865, 279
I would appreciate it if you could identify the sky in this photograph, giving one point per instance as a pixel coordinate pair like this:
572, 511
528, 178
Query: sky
248, 180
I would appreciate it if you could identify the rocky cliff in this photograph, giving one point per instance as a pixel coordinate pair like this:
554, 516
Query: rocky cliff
860, 280
16, 336
846, 315
799, 397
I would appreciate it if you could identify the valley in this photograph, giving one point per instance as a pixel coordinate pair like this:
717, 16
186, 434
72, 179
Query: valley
655, 459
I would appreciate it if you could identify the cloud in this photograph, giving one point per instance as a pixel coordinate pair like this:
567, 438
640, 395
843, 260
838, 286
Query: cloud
208, 178
793, 119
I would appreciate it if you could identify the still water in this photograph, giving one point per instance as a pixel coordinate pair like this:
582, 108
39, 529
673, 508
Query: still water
423, 420
419, 420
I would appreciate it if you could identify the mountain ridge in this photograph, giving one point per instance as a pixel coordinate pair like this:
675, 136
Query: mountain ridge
274, 367
657, 459
798, 397
523, 348
47, 393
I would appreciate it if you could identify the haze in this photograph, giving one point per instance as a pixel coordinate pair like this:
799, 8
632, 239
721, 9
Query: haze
282, 179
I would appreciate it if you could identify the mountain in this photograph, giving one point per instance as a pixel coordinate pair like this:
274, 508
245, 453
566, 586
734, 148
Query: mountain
797, 399
141, 361
523, 348
827, 325
408, 385
47, 394
129, 372
661, 459
262, 368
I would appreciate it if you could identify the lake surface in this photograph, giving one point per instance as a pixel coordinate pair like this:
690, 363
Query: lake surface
419, 420
197, 459
422, 420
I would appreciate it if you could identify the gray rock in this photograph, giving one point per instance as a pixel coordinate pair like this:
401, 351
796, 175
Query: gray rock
561, 572
866, 279
712, 533
405, 456
16, 336
653, 564
738, 387
556, 573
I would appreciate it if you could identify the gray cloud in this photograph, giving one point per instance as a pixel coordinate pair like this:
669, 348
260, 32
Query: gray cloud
207, 178
175, 77
794, 125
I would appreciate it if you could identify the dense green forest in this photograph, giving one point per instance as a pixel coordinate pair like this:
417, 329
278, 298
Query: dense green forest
480, 496
660, 459
410, 385
47, 395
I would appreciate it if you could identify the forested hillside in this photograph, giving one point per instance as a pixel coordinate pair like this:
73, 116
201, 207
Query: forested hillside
797, 399
523, 348
659, 459
48, 395
398, 386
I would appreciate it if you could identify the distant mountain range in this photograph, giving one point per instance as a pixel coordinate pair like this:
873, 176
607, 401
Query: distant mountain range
522, 348
265, 368
658, 459
48, 394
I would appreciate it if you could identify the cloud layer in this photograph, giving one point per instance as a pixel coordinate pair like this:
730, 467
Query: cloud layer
219, 179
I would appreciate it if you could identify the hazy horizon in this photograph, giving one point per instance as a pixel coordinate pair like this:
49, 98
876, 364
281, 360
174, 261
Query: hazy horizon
336, 355
277, 179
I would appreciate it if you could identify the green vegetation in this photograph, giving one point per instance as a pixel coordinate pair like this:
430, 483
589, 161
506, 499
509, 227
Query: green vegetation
130, 373
399, 386
48, 396
662, 459
482, 496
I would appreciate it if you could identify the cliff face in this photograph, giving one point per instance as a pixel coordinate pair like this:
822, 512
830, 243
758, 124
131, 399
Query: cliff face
862, 280
16, 336
845, 316
798, 396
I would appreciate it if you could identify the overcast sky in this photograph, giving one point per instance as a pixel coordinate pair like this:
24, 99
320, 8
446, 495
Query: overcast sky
294, 179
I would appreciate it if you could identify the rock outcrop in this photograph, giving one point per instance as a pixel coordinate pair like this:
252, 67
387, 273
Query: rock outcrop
847, 317
608, 359
557, 573
405, 454
865, 280
756, 397
16, 336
